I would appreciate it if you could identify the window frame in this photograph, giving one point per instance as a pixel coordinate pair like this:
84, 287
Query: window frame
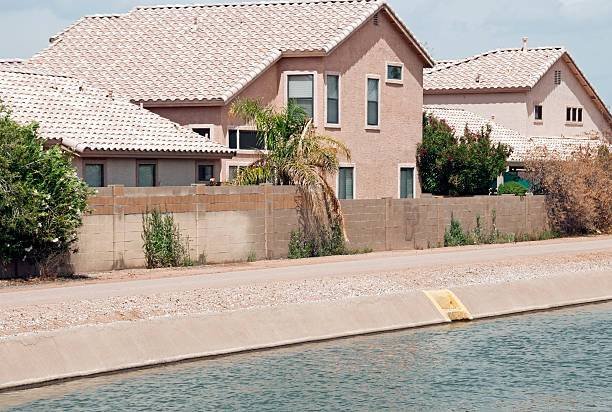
289, 73
197, 176
155, 171
235, 163
368, 78
394, 81
327, 124
576, 112
104, 170
535, 112
202, 126
401, 166
247, 128
344, 166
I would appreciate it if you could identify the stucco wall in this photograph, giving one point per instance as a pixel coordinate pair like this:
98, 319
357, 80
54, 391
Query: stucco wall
227, 224
555, 99
376, 154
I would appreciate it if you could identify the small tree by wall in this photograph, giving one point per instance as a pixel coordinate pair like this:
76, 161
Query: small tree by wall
42, 199
458, 166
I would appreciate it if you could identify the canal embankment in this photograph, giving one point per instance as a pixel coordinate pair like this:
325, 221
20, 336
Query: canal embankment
38, 344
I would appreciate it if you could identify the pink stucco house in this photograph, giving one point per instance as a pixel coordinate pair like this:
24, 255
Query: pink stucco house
352, 64
537, 92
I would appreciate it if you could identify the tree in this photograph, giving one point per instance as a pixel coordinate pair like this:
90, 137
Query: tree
42, 199
296, 155
458, 166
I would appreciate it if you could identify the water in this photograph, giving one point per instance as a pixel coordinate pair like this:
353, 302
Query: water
560, 360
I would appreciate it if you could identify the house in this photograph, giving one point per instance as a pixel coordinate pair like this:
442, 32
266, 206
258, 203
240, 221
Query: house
113, 140
538, 92
353, 65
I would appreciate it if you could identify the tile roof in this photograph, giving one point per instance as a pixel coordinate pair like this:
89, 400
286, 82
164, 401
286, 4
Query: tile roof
497, 69
203, 52
83, 118
10, 63
522, 146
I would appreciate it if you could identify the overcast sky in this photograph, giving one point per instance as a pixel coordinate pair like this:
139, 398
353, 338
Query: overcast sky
448, 28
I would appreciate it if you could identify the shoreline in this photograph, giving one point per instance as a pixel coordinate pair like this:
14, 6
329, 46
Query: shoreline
44, 358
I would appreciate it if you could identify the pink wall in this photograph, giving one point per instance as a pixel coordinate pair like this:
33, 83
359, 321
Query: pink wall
555, 99
376, 154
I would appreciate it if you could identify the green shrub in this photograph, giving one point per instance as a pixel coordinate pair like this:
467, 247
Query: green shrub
332, 244
252, 257
42, 199
458, 166
163, 246
512, 188
454, 235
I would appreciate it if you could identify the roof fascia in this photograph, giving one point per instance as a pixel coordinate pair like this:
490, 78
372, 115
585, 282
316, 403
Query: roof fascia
477, 91
87, 153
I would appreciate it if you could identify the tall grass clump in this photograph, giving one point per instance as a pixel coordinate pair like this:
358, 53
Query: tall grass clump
163, 245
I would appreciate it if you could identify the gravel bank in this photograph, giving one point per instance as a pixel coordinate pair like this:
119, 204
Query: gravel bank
82, 312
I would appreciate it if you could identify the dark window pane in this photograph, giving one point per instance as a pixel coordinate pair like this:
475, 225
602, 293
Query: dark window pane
94, 175
580, 115
249, 140
333, 99
568, 114
205, 173
204, 132
146, 175
345, 183
538, 112
406, 183
574, 112
372, 114
333, 113
233, 139
394, 72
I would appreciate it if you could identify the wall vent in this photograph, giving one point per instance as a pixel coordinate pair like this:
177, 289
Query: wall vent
376, 19
557, 76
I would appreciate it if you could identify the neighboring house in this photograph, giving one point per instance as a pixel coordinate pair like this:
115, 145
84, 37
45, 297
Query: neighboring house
523, 147
353, 65
113, 140
534, 91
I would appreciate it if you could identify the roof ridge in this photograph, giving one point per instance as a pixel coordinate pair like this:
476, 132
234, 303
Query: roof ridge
249, 3
457, 62
29, 71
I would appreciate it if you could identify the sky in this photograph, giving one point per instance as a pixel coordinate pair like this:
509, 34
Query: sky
449, 29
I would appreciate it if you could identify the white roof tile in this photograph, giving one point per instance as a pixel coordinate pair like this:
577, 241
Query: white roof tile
84, 118
200, 52
522, 146
497, 69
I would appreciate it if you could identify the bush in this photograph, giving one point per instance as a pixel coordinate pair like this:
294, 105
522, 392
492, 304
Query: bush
512, 188
454, 235
458, 166
331, 244
578, 190
42, 200
163, 246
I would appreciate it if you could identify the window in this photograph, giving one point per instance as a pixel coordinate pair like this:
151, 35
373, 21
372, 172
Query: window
407, 183
333, 99
94, 175
245, 140
373, 97
146, 175
395, 72
573, 115
205, 173
233, 172
203, 131
538, 112
300, 90
345, 183
557, 77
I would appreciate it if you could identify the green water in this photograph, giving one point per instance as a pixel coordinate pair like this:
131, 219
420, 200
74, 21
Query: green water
560, 360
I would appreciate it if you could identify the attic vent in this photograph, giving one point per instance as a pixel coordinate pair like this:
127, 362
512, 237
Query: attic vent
376, 19
557, 76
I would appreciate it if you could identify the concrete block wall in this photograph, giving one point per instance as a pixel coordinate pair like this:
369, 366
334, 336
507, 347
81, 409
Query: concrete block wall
227, 224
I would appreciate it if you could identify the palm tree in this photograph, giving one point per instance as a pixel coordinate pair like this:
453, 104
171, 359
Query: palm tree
296, 155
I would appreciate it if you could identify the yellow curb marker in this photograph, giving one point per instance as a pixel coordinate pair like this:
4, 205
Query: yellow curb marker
448, 304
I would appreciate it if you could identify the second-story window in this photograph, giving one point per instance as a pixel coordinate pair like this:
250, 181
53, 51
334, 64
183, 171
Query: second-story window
573, 115
373, 102
300, 90
395, 73
333, 99
537, 112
